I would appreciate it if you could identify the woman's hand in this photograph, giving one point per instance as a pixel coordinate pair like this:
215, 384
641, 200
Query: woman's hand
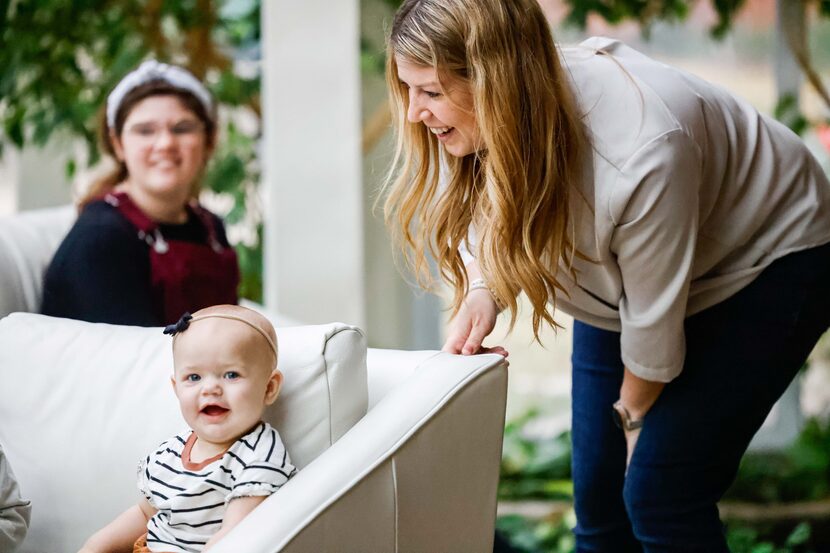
631, 437
637, 395
472, 324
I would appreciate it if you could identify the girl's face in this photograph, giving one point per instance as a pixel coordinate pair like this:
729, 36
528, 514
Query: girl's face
164, 146
447, 112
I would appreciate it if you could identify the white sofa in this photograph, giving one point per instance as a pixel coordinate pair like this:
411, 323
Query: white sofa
398, 451
27, 243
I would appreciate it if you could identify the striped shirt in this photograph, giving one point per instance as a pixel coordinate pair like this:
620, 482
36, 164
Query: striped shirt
191, 498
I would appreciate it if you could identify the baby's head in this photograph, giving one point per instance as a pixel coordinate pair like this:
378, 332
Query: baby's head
224, 371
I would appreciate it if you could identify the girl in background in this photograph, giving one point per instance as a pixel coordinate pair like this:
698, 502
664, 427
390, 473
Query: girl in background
143, 251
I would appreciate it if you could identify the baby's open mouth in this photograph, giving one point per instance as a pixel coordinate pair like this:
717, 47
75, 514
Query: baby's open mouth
213, 410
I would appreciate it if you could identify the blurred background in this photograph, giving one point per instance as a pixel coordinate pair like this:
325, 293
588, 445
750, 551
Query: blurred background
305, 145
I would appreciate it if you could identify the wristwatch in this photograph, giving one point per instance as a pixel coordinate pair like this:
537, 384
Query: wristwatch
623, 419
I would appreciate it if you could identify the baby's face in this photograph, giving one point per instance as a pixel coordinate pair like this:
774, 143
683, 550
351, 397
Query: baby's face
224, 378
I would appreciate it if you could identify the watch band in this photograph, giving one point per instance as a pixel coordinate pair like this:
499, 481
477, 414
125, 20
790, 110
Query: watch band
623, 419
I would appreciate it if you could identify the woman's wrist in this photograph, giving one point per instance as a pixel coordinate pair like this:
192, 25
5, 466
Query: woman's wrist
637, 395
481, 284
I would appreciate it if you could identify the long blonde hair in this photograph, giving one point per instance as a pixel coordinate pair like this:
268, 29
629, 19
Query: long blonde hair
515, 190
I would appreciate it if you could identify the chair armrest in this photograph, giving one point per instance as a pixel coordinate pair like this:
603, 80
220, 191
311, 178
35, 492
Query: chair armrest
388, 368
417, 473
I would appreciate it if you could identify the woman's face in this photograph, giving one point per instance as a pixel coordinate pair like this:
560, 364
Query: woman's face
447, 112
164, 146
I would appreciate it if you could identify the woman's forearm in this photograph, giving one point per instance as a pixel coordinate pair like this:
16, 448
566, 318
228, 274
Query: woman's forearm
638, 395
473, 271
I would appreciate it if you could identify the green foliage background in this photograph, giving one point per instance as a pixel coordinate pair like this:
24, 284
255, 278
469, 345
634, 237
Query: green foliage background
60, 58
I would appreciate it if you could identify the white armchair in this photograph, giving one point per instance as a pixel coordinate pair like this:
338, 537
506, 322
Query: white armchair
27, 243
398, 451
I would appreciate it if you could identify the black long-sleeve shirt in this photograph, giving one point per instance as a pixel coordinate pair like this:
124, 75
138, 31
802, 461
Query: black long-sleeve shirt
101, 271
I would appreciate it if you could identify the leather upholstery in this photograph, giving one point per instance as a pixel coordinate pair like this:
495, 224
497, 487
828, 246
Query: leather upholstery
81, 402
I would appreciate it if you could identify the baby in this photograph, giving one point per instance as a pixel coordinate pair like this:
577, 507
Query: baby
200, 484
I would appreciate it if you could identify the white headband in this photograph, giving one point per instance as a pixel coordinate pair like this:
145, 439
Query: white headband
152, 70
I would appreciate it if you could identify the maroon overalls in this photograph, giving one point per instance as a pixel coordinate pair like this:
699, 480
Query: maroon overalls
184, 276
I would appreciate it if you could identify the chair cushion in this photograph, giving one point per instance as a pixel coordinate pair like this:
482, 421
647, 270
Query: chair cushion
80, 403
27, 243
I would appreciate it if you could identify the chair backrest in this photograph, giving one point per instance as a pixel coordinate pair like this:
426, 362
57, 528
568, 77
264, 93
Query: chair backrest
80, 403
27, 243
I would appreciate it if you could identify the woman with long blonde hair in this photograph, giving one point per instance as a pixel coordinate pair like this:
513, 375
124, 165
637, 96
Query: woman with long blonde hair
686, 233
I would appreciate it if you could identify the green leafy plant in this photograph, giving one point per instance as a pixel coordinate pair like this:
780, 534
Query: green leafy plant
799, 473
234, 173
786, 111
556, 536
749, 540
533, 467
617, 11
545, 536
59, 58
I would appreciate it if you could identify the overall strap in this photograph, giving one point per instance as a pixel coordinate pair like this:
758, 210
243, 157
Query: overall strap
209, 224
148, 230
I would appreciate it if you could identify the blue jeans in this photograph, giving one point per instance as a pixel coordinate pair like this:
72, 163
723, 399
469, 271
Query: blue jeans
741, 355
